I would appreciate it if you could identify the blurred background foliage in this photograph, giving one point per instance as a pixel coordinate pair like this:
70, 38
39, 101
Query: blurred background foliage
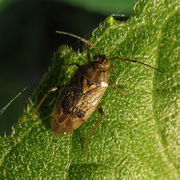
28, 40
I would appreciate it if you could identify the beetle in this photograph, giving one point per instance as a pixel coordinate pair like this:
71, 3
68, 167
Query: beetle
82, 94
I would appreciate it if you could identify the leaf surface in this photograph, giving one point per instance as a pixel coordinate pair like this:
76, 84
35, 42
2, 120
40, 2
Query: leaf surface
138, 137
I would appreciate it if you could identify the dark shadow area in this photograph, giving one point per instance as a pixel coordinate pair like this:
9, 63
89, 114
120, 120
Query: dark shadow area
28, 41
122, 18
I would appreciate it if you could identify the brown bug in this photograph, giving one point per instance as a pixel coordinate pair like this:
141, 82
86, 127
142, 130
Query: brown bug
81, 96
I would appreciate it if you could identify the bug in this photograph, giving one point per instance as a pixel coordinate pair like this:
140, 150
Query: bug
81, 96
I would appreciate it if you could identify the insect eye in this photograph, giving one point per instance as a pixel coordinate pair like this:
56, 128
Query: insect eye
96, 57
103, 56
99, 57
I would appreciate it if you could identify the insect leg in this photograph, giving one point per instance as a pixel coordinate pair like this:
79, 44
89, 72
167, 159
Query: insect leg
119, 89
111, 69
99, 108
41, 102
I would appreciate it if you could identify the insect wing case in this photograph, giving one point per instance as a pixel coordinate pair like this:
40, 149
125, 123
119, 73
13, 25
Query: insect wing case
80, 97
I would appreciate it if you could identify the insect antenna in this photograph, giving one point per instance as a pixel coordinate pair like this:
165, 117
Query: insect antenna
98, 50
134, 61
81, 39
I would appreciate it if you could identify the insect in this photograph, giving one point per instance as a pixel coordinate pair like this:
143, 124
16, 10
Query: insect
81, 96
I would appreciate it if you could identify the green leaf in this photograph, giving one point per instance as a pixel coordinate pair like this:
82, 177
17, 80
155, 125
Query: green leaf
138, 137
